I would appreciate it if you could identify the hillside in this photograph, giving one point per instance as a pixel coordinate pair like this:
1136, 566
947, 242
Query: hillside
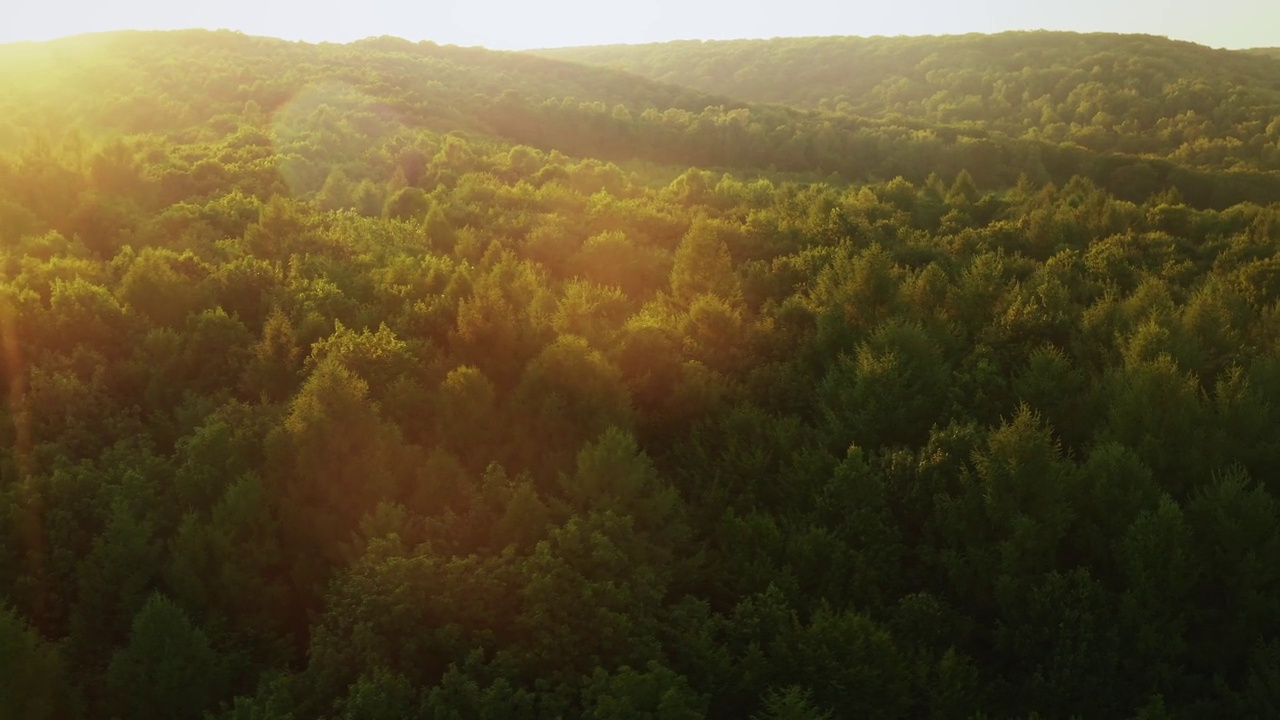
390, 380
107, 86
1134, 94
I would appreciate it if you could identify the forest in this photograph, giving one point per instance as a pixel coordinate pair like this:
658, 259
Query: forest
797, 379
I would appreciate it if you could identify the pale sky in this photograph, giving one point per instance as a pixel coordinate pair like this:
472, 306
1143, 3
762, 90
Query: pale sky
522, 24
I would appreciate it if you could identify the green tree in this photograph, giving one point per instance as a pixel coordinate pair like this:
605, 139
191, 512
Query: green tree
409, 203
793, 703
33, 682
167, 669
703, 265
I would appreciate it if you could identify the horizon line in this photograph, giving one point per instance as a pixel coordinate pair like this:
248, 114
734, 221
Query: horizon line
313, 41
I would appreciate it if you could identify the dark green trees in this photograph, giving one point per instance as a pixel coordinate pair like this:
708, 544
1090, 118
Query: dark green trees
167, 669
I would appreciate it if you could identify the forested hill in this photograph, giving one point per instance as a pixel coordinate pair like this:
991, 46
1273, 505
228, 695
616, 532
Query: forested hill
248, 92
1130, 93
140, 82
388, 380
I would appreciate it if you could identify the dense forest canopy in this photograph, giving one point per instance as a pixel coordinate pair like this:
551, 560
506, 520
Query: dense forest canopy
1132, 94
391, 380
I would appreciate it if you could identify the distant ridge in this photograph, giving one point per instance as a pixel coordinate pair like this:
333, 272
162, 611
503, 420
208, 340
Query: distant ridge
1135, 114
804, 71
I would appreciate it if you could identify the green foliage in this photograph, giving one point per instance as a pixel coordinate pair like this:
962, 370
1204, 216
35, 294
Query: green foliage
167, 669
33, 680
395, 380
702, 266
409, 203
793, 703
1133, 93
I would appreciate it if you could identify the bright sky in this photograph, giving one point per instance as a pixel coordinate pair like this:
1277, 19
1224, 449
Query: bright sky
520, 24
